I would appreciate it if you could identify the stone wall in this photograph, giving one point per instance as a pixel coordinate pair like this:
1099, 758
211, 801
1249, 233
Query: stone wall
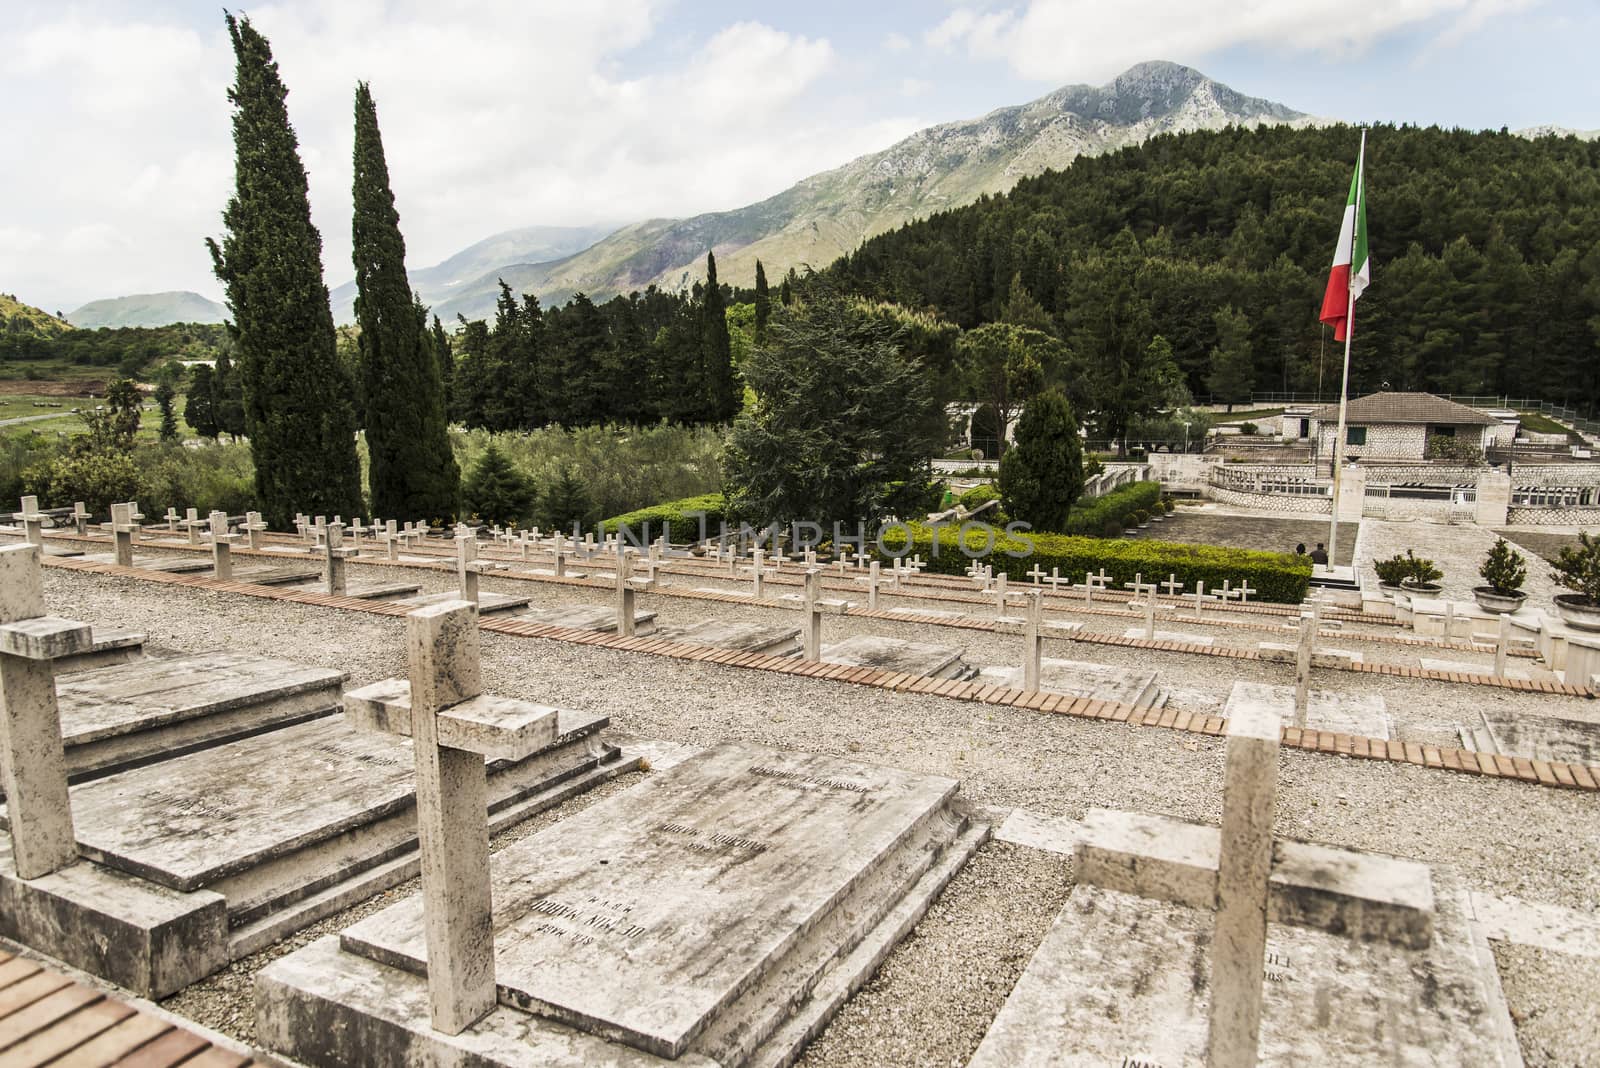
1401, 442
1554, 517
1272, 502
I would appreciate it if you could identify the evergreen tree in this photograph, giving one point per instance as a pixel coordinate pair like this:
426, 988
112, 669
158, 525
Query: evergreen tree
565, 503
227, 398
1233, 367
199, 410
123, 404
495, 491
302, 433
165, 395
722, 401
1006, 364
447, 365
412, 469
1042, 474
840, 432
763, 303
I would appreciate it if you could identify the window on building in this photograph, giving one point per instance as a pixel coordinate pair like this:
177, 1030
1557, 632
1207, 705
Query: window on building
1355, 435
1442, 431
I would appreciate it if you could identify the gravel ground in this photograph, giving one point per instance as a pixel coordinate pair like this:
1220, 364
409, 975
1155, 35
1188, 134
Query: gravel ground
1505, 838
1458, 551
1552, 997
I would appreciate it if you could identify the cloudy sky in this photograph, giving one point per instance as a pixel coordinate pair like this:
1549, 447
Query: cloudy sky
116, 159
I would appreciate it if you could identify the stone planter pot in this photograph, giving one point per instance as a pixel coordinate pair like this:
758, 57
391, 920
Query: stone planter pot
1490, 601
1421, 589
1576, 612
1389, 590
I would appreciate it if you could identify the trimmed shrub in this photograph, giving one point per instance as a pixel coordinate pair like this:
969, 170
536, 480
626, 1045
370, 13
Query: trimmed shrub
1276, 577
1112, 511
680, 514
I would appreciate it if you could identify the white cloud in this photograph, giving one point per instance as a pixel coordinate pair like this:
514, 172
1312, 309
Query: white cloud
494, 114
896, 42
1091, 40
914, 87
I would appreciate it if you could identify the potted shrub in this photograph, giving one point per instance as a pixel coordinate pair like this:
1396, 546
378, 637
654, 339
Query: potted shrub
1392, 572
1578, 569
1141, 518
1505, 570
1167, 505
1423, 581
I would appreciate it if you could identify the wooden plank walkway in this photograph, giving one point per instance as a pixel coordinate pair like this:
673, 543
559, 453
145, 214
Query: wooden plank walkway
47, 1018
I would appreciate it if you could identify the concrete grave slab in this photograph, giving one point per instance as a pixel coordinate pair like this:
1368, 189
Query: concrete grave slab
1079, 678
1362, 715
591, 617
746, 637
1539, 737
365, 591
123, 715
176, 565
110, 647
895, 654
267, 575
488, 602
1123, 980
269, 833
723, 909
1428, 663
1171, 636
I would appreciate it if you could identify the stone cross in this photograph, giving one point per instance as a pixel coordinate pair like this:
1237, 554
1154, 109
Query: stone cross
1147, 591
1449, 622
467, 566
1199, 597
33, 762
1305, 652
134, 517
356, 530
759, 574
1173, 587
193, 524
980, 573
221, 547
916, 562
32, 520
172, 520
1239, 943
80, 518
1502, 645
1036, 575
1245, 591
872, 584
253, 528
337, 553
122, 530
1033, 641
1000, 594
814, 606
454, 730
1055, 580
627, 586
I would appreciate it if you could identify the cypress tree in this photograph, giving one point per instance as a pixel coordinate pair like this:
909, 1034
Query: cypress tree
447, 364
165, 395
302, 433
227, 398
763, 303
717, 350
1042, 475
200, 411
412, 470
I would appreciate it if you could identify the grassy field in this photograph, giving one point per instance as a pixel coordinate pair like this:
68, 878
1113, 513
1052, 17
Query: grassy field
1245, 417
1543, 424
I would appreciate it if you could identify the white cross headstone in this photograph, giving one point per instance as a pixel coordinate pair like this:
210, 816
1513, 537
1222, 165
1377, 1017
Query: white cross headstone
467, 566
221, 547
122, 530
1502, 645
1033, 641
337, 553
80, 518
1305, 653
33, 763
1245, 592
873, 567
172, 520
1199, 597
1036, 575
1173, 587
32, 521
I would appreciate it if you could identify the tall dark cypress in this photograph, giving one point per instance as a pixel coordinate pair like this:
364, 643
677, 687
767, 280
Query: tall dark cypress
447, 362
763, 303
413, 474
717, 350
302, 432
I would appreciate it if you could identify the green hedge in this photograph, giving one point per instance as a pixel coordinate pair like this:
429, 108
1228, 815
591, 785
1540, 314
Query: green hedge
680, 513
1091, 517
1278, 577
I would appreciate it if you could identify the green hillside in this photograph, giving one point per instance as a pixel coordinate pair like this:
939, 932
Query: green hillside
1485, 251
24, 320
149, 309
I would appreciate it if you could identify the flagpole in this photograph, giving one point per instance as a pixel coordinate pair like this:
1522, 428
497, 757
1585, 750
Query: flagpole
1349, 336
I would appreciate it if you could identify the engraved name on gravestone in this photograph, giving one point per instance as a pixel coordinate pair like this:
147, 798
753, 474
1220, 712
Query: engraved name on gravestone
644, 917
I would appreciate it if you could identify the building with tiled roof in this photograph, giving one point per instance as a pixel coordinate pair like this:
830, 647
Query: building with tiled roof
1398, 426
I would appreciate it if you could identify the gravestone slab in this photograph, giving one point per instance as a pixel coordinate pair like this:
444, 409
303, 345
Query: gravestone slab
591, 617
1362, 715
1540, 737
118, 716
1428, 663
267, 575
745, 637
365, 591
689, 914
488, 602
1171, 636
110, 647
1079, 678
176, 565
895, 654
1122, 979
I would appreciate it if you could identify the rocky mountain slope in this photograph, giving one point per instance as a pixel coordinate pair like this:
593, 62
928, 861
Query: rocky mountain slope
148, 309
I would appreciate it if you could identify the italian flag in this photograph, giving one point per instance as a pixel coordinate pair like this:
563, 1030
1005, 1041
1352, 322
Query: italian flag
1352, 268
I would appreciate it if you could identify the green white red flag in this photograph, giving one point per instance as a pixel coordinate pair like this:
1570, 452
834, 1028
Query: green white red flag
1352, 268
